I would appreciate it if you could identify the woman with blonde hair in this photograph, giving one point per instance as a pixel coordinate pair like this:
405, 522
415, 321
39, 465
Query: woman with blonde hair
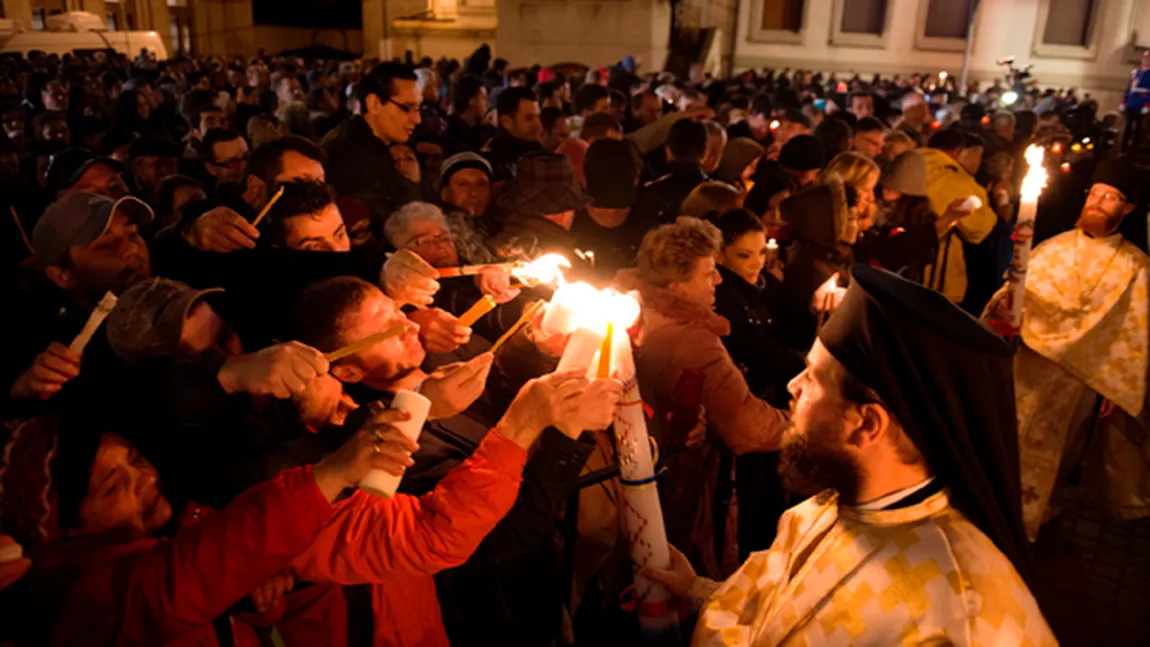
860, 172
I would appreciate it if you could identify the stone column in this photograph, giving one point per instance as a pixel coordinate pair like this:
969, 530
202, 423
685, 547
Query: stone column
152, 15
375, 29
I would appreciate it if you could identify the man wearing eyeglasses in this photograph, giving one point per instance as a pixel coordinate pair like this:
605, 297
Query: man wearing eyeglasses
225, 155
360, 165
1081, 373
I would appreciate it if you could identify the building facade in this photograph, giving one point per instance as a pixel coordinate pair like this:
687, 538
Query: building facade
1086, 44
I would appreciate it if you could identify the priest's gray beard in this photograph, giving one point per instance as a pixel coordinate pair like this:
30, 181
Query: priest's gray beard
813, 461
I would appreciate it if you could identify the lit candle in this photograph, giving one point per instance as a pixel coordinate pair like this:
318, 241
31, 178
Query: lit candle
1032, 186
472, 270
476, 312
547, 269
828, 303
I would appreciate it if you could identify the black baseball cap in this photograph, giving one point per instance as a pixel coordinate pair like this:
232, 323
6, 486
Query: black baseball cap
78, 219
66, 167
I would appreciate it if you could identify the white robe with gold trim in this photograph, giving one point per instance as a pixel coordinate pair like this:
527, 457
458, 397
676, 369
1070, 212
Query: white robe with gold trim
1084, 334
921, 575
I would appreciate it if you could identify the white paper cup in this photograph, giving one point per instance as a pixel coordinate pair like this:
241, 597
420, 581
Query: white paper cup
972, 203
381, 483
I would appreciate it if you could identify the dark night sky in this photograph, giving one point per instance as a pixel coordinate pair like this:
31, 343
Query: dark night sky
344, 14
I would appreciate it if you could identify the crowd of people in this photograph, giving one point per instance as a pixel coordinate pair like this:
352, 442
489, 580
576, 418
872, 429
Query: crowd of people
813, 256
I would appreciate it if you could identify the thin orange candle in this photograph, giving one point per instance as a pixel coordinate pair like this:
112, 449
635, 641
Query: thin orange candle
476, 312
605, 352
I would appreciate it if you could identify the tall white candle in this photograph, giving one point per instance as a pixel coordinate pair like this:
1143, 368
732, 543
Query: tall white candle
642, 512
1032, 186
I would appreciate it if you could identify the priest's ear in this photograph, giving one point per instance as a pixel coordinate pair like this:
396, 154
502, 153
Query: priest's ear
873, 424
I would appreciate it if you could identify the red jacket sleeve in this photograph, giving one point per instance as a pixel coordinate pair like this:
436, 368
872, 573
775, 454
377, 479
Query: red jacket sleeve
153, 596
372, 538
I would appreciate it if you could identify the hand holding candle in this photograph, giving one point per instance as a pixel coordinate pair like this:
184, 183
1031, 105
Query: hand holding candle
99, 314
383, 483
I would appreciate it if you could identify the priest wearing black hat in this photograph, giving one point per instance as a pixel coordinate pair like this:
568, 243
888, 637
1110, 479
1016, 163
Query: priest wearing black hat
903, 429
1081, 373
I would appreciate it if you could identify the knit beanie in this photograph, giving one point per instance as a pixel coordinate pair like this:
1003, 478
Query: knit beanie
906, 174
802, 153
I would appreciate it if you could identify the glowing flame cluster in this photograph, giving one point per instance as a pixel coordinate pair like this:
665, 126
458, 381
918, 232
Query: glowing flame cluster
580, 305
1035, 179
547, 269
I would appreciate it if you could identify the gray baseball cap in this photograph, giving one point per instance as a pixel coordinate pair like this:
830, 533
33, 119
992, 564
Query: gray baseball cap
149, 318
77, 219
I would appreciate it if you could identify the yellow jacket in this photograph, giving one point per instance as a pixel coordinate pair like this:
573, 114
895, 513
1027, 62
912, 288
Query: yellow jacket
947, 181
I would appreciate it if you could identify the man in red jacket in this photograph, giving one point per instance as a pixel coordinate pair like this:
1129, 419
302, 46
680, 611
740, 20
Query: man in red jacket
115, 582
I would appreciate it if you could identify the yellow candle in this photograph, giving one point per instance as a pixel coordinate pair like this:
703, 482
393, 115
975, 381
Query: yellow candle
605, 352
476, 312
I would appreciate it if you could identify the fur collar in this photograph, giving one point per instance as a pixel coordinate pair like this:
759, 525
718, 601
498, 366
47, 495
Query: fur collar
670, 305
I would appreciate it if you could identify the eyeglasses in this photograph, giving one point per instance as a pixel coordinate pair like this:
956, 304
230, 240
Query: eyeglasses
231, 162
407, 110
1106, 196
438, 240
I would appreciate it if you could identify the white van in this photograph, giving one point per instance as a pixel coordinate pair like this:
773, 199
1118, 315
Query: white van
79, 31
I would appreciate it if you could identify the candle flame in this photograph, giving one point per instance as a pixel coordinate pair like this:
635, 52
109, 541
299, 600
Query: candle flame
545, 269
1035, 179
774, 124
772, 244
592, 308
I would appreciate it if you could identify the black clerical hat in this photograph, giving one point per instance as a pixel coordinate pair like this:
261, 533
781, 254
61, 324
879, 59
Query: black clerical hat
949, 382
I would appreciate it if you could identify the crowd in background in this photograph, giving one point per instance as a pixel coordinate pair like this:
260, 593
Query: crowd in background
186, 433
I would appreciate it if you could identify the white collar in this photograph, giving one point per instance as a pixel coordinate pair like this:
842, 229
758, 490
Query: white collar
893, 497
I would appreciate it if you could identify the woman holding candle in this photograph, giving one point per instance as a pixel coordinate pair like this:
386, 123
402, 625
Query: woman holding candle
825, 222
676, 279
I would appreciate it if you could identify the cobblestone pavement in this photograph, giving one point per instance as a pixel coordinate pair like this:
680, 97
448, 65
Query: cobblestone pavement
1093, 579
